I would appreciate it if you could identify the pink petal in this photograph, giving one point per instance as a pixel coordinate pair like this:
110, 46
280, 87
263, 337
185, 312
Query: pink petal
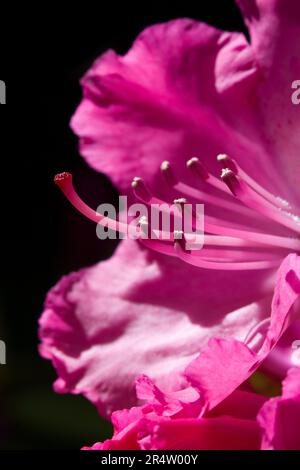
172, 421
185, 402
279, 417
240, 404
284, 356
275, 29
175, 94
225, 364
121, 419
125, 440
202, 434
104, 326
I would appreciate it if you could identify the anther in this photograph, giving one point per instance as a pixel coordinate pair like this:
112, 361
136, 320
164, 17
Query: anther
199, 169
168, 173
144, 225
227, 162
180, 201
178, 235
231, 180
179, 242
140, 189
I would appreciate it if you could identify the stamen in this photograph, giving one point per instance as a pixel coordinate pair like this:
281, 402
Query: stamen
198, 262
168, 173
208, 254
142, 193
220, 240
144, 226
250, 198
164, 248
220, 227
180, 201
198, 194
140, 189
143, 220
228, 162
236, 255
256, 237
229, 177
227, 245
197, 167
201, 172
155, 235
178, 234
217, 184
64, 182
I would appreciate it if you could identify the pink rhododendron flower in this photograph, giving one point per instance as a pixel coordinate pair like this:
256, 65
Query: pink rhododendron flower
212, 412
185, 89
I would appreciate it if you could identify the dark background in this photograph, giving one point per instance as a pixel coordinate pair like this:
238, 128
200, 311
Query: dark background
43, 54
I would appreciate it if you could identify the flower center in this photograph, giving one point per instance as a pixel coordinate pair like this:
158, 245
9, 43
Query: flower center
271, 230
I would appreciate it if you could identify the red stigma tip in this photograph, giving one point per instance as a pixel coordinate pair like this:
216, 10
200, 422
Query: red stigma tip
61, 178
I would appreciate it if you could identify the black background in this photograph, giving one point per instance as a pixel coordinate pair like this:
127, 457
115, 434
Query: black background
44, 52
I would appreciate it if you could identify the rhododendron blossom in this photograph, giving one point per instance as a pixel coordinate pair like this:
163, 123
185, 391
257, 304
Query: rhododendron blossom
186, 103
212, 412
